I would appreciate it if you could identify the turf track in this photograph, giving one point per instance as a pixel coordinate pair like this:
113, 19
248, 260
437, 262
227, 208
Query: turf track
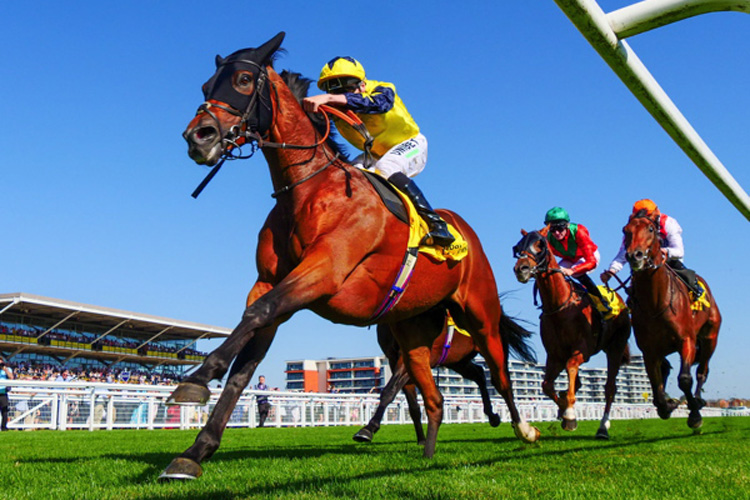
644, 459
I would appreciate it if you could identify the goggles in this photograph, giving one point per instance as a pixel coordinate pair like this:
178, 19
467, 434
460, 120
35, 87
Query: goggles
340, 85
558, 227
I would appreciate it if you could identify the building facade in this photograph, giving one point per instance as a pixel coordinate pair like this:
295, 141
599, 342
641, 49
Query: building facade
370, 374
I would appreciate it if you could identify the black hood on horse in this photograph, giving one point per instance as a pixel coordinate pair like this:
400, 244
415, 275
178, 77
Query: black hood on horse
240, 82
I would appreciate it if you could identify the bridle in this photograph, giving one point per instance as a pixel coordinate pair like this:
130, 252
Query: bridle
649, 258
251, 133
541, 259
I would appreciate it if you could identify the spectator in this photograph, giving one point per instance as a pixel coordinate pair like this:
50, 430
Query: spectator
5, 374
262, 400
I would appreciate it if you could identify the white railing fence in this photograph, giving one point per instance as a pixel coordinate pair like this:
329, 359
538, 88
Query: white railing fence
77, 405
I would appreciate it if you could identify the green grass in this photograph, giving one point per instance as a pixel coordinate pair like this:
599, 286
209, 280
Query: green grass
644, 459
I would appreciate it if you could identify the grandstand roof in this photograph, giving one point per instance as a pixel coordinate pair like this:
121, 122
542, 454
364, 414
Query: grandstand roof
50, 314
105, 318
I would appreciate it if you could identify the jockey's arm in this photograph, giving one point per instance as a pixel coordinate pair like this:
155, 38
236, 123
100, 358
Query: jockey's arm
675, 247
616, 265
380, 101
312, 103
587, 248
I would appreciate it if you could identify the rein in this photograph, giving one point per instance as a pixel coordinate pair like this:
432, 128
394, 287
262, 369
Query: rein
229, 140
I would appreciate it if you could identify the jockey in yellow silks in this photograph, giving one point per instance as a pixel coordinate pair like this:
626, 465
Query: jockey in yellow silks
399, 150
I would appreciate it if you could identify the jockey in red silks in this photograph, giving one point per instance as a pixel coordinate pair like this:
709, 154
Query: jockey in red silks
572, 242
672, 247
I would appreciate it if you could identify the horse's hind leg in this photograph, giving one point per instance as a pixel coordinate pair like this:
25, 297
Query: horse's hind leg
395, 384
416, 336
187, 465
707, 338
472, 371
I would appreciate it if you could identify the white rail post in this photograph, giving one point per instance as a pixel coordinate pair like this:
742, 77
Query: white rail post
605, 32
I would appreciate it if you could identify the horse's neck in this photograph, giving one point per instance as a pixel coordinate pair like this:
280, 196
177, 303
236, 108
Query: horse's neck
652, 287
292, 126
554, 288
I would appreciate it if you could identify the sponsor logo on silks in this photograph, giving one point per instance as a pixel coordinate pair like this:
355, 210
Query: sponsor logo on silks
408, 148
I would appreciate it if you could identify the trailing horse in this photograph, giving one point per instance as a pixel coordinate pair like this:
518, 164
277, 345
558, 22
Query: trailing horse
667, 319
451, 349
328, 245
571, 331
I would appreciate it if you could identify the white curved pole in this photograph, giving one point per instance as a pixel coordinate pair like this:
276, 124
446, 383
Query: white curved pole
650, 14
592, 22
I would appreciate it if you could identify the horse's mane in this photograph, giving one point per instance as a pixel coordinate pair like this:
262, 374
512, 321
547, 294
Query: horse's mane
299, 85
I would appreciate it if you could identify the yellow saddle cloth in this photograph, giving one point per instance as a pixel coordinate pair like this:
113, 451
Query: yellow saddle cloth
616, 304
418, 229
701, 302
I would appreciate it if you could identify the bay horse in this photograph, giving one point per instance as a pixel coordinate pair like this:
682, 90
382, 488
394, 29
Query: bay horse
570, 329
328, 245
664, 321
452, 350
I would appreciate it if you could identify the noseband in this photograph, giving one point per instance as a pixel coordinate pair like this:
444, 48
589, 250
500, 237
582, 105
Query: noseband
541, 259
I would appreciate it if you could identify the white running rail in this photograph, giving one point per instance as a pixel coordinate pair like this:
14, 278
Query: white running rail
87, 406
606, 33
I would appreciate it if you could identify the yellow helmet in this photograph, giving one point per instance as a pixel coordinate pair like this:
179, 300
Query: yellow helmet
340, 74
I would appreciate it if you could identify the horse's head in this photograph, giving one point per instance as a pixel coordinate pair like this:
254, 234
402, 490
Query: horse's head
531, 254
642, 240
237, 102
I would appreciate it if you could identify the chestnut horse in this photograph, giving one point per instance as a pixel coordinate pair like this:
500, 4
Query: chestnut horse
328, 245
571, 331
664, 321
452, 350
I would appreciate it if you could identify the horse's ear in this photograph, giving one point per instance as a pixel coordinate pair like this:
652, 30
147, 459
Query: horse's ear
544, 230
219, 60
266, 50
523, 232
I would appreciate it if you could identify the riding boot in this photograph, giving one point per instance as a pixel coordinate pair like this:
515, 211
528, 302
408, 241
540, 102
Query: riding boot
688, 277
439, 234
591, 287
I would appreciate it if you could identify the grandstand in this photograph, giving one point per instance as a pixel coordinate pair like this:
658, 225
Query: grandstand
42, 330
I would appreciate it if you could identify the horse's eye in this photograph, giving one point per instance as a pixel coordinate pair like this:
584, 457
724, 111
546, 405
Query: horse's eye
650, 229
243, 82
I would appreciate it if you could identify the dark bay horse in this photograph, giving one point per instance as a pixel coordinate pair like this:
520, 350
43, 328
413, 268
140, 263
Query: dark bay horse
664, 321
328, 245
452, 350
571, 333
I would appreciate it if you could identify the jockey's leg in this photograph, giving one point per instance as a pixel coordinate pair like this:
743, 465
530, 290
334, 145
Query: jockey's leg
406, 160
687, 275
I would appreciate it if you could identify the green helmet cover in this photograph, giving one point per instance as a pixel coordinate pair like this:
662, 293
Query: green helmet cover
556, 214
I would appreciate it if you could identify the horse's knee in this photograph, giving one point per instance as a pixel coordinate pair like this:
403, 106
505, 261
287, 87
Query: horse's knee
259, 313
685, 381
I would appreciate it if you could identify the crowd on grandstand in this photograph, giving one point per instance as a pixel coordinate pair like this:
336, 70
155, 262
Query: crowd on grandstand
97, 345
48, 372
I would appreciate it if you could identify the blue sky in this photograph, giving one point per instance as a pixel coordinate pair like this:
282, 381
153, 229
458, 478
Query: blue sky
520, 112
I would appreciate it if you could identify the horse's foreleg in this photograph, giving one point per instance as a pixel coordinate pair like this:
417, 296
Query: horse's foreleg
685, 382
187, 465
615, 354
389, 392
656, 367
569, 422
475, 373
551, 371
416, 336
410, 392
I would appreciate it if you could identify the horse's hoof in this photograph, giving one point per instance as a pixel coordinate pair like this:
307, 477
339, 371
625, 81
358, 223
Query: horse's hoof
695, 421
188, 393
494, 420
602, 433
569, 424
181, 469
526, 433
363, 436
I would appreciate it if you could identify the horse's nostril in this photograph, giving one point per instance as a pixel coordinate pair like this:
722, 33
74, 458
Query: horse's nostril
204, 134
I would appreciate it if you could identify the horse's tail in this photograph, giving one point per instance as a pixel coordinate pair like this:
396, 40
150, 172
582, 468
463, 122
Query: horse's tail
516, 337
